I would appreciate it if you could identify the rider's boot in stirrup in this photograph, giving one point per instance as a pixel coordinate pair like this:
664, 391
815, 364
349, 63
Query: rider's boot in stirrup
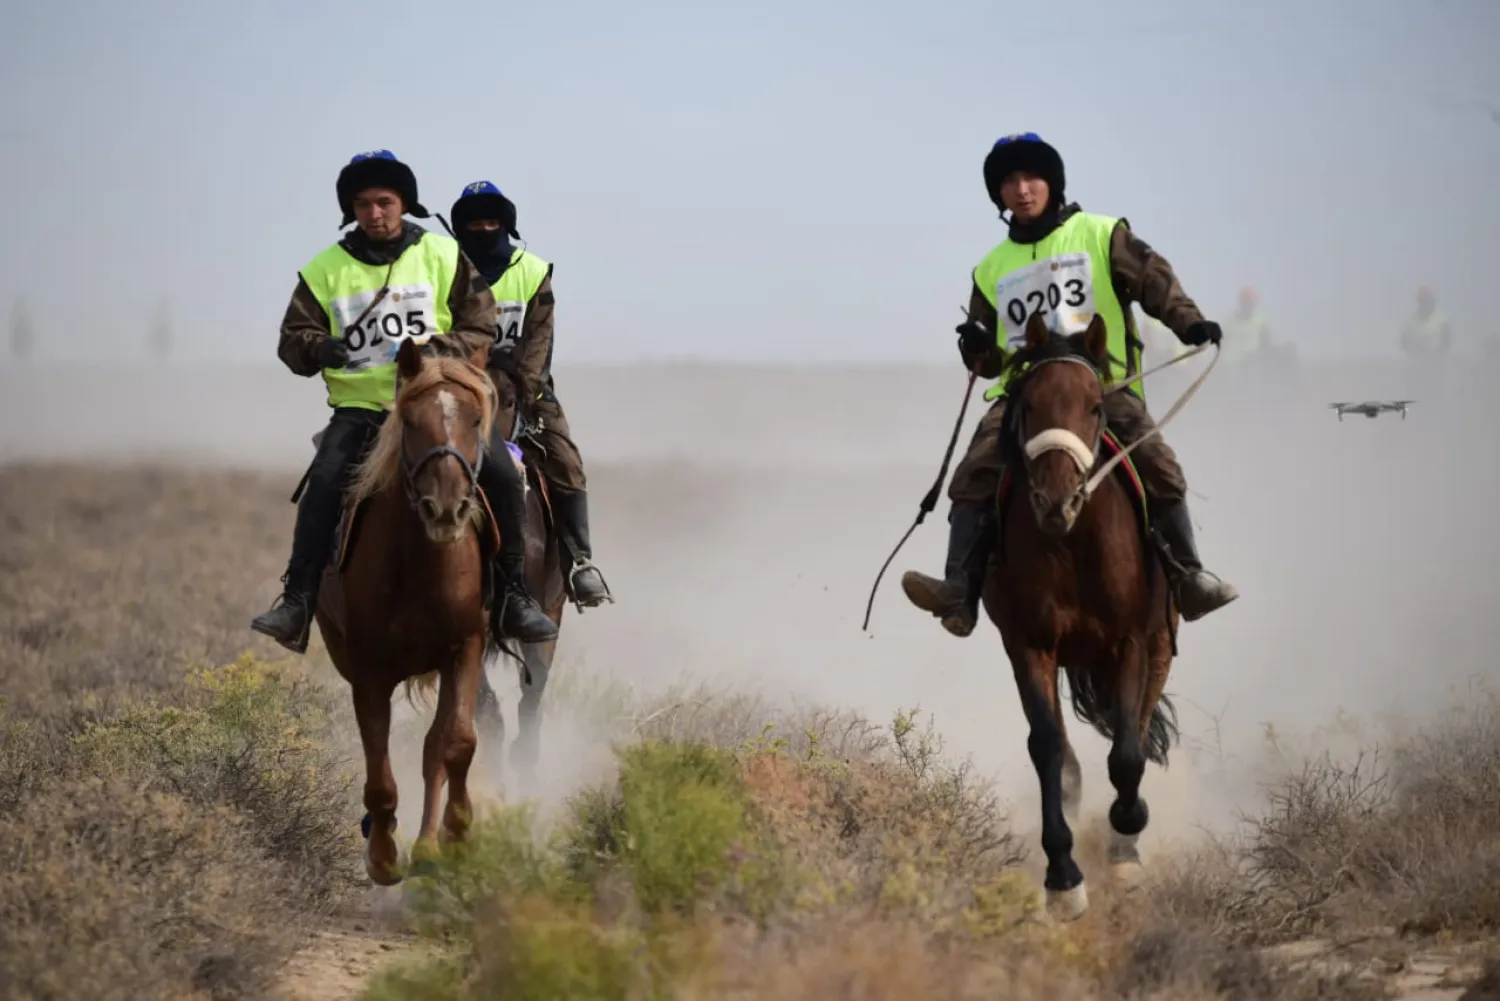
585, 582
955, 598
289, 620
514, 614
1198, 591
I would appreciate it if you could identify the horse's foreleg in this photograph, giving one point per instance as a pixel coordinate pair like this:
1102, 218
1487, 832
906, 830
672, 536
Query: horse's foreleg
1128, 814
459, 752
372, 710
527, 749
1036, 679
1072, 771
425, 851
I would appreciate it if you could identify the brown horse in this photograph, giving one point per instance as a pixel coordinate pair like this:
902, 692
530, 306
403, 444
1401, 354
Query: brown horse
1076, 582
406, 603
544, 578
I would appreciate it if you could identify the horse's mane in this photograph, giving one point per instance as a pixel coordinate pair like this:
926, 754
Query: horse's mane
380, 467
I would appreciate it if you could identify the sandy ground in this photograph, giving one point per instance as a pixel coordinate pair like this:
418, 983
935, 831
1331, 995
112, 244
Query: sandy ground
741, 515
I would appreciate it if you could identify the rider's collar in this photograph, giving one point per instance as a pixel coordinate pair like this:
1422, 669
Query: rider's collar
367, 251
1043, 226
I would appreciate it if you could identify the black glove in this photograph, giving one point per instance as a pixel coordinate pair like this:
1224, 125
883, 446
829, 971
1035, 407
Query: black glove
1203, 332
974, 341
503, 357
332, 353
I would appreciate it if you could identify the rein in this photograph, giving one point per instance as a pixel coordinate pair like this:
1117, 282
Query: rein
1084, 456
1187, 394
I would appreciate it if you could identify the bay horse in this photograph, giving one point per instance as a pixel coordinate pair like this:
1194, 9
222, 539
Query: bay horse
402, 602
544, 578
1077, 581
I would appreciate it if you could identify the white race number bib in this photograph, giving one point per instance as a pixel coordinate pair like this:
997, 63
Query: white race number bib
512, 315
406, 311
1060, 289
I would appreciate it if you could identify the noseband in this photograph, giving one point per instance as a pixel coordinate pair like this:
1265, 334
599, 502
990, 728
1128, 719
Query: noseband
1083, 454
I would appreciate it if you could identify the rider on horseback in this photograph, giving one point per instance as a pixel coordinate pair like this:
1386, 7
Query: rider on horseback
387, 279
1068, 265
484, 220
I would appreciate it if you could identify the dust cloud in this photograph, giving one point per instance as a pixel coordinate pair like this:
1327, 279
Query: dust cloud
740, 515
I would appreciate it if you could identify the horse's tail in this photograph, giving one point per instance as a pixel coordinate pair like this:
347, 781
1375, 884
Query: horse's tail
423, 686
1095, 705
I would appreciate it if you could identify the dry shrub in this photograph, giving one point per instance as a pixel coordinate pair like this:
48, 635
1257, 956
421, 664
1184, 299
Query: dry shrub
1404, 838
166, 830
113, 580
114, 892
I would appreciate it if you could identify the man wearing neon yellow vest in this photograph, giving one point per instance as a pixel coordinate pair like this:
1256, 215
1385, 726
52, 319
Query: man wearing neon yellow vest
441, 292
1058, 255
484, 220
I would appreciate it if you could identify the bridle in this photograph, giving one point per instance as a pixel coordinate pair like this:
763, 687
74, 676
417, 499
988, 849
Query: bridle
1086, 458
410, 471
1085, 455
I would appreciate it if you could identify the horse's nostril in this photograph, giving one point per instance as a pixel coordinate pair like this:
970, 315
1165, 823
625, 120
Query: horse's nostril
428, 508
465, 508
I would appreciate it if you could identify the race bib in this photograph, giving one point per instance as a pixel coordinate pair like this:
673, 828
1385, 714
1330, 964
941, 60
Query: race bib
512, 315
406, 311
1060, 289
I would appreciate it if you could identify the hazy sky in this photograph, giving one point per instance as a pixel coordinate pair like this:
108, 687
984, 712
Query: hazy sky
778, 181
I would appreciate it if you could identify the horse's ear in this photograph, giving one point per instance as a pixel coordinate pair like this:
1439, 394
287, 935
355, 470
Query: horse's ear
1037, 333
1096, 339
480, 357
408, 359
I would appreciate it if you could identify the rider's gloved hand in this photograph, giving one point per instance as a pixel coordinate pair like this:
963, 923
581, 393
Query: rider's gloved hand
1203, 332
332, 353
974, 342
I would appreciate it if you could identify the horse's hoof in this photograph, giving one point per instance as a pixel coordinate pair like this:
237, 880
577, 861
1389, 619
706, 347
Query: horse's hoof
383, 873
1125, 859
424, 857
1128, 875
1067, 905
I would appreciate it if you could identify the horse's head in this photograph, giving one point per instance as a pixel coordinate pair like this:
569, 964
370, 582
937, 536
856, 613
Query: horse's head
1058, 417
443, 412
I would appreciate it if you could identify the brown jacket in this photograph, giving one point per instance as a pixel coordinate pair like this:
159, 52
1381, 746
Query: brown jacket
533, 351
305, 324
1139, 274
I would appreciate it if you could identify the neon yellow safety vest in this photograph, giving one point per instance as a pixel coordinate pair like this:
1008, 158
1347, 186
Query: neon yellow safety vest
513, 291
416, 304
1067, 279
1426, 330
1245, 336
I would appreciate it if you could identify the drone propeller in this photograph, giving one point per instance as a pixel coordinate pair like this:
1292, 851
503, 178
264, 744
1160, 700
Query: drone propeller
1337, 406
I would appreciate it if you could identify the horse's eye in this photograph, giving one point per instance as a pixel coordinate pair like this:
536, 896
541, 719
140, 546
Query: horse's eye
478, 420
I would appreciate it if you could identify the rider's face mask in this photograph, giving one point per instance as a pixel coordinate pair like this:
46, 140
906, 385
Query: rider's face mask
485, 238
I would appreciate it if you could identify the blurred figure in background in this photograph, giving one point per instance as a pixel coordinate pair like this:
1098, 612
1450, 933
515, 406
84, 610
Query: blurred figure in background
1247, 335
1426, 340
1426, 332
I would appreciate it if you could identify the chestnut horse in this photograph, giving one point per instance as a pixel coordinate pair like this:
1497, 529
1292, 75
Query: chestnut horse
406, 603
1075, 581
544, 578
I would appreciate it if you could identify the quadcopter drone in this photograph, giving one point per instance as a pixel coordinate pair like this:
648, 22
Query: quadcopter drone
1372, 408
